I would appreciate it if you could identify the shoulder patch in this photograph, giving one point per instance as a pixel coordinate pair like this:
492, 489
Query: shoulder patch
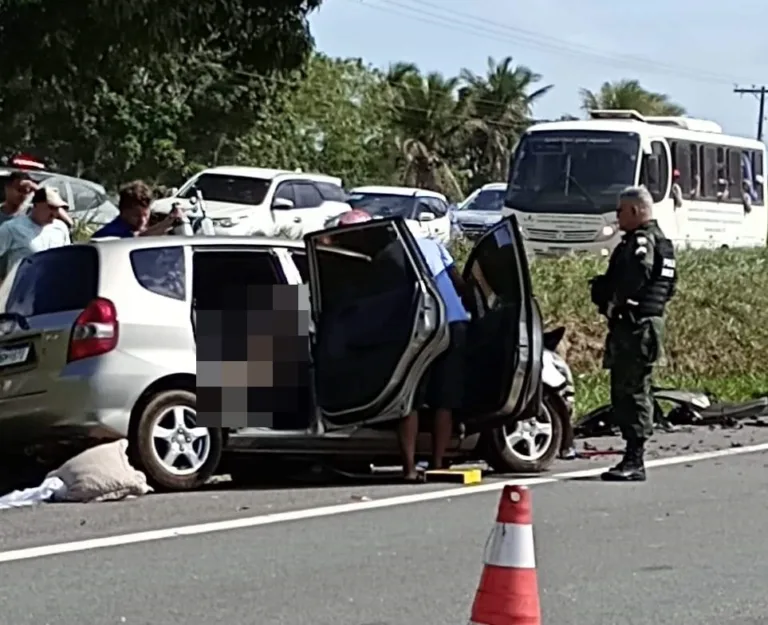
642, 240
641, 250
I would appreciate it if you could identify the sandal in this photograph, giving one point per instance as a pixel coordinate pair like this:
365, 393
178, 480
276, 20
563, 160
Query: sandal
419, 478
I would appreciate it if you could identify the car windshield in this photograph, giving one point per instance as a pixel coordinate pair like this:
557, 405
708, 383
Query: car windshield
382, 204
489, 200
575, 171
229, 189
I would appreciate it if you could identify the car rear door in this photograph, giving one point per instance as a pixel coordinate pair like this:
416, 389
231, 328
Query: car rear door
505, 343
378, 318
50, 289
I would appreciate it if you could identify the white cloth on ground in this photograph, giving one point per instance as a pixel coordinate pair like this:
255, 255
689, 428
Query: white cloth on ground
51, 488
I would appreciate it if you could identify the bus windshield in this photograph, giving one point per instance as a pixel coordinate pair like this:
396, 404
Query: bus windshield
572, 171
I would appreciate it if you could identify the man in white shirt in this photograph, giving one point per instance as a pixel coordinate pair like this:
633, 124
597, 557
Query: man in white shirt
37, 231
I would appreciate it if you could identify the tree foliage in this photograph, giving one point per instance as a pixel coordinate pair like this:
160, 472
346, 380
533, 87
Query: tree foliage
629, 94
118, 89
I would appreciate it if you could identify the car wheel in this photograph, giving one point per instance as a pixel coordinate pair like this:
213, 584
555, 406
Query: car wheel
528, 446
168, 446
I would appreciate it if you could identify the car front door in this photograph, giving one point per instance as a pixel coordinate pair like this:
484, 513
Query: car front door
378, 318
505, 342
440, 227
420, 207
305, 214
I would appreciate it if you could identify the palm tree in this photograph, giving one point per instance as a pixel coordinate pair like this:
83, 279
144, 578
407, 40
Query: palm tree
501, 103
428, 122
629, 94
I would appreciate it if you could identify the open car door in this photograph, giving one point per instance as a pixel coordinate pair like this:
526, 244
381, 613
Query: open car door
505, 338
379, 321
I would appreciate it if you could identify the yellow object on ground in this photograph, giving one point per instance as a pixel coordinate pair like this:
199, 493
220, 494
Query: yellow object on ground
460, 476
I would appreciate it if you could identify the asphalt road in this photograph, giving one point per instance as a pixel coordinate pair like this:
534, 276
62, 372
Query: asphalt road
684, 548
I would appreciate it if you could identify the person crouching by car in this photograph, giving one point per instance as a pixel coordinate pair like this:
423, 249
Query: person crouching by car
135, 200
444, 383
40, 229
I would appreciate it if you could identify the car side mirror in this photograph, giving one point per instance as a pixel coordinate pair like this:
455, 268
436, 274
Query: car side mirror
282, 204
426, 216
172, 191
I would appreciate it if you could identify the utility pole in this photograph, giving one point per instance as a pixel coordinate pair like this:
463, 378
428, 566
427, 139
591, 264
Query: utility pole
756, 91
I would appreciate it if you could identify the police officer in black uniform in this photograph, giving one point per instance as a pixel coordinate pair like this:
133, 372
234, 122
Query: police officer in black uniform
633, 294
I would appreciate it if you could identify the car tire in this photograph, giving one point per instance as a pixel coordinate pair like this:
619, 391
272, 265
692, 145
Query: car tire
504, 458
145, 448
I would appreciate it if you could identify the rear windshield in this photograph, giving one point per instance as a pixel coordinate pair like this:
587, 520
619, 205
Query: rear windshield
57, 280
230, 189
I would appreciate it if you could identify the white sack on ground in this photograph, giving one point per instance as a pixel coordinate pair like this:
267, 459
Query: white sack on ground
51, 488
101, 473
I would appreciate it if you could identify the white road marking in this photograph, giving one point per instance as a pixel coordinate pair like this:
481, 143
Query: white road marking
325, 511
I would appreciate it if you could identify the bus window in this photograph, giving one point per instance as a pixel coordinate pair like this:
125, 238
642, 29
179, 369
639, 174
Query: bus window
735, 176
695, 171
681, 161
657, 147
757, 170
709, 173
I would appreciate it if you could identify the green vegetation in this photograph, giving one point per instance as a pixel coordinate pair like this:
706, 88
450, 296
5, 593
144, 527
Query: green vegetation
158, 90
717, 326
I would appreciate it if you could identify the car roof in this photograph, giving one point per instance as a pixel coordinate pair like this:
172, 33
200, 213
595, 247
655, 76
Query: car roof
114, 243
494, 186
402, 191
269, 174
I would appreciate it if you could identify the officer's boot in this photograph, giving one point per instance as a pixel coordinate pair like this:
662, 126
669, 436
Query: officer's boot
631, 468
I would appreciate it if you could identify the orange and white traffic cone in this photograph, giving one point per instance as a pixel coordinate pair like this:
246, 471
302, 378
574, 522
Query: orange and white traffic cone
508, 593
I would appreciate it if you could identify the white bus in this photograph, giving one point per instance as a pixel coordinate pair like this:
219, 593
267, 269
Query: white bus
565, 178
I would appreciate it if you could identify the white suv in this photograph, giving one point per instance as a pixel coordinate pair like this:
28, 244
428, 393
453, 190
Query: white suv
252, 200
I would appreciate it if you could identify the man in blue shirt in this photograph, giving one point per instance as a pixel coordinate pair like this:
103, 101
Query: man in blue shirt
443, 388
135, 200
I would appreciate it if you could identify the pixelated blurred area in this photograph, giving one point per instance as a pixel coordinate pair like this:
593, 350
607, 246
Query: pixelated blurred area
252, 346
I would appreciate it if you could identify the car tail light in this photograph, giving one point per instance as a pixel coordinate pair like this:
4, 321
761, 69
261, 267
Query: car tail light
95, 331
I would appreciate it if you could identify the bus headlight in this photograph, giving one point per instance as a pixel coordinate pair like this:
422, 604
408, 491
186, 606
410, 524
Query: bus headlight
607, 232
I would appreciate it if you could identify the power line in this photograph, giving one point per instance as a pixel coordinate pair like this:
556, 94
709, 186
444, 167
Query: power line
486, 29
760, 92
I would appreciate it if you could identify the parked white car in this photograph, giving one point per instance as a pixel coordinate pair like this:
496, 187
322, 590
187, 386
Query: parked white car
253, 200
425, 212
481, 209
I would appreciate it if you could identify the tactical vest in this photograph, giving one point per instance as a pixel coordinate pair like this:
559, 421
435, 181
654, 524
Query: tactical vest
652, 300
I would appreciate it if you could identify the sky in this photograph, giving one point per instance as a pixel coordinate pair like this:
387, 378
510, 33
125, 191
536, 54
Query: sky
696, 51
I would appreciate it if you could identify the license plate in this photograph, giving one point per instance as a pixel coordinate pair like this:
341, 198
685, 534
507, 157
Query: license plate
558, 251
10, 356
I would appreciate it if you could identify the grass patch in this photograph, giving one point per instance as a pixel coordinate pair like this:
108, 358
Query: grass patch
717, 324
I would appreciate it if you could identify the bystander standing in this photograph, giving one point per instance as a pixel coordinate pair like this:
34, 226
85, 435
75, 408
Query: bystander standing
38, 230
